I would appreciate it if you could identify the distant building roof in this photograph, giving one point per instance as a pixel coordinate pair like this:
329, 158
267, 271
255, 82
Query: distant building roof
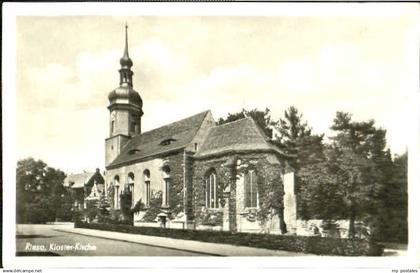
164, 139
236, 136
96, 178
77, 180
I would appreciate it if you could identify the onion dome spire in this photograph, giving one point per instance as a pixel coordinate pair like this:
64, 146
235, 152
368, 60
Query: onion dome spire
125, 61
126, 75
125, 91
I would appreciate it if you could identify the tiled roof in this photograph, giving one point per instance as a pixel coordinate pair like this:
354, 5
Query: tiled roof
77, 180
95, 178
178, 134
239, 135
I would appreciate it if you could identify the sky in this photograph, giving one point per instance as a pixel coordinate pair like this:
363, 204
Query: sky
67, 65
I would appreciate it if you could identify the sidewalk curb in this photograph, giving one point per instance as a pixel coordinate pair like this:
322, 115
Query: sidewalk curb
133, 242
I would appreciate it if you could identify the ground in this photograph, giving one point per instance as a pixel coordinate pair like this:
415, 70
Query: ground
37, 235
65, 240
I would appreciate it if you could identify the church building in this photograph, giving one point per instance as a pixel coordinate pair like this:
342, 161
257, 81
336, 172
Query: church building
194, 173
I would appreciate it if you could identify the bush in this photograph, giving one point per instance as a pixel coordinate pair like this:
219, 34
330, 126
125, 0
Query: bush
210, 217
315, 245
139, 206
125, 202
154, 208
113, 217
39, 215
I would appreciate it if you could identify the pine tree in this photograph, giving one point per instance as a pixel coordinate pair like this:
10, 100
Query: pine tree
295, 137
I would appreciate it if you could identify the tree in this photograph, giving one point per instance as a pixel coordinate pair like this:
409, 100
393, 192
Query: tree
351, 179
125, 204
306, 157
371, 158
66, 198
295, 137
357, 185
104, 204
393, 224
39, 191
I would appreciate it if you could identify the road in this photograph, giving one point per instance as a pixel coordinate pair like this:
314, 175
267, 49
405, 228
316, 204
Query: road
42, 240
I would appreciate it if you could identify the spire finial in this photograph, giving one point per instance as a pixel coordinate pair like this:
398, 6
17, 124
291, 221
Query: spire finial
126, 41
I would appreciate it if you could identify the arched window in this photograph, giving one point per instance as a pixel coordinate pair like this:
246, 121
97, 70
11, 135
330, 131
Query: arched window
251, 189
211, 190
166, 179
117, 194
146, 177
130, 181
131, 185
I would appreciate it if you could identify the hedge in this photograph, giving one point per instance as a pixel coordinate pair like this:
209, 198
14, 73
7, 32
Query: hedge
314, 245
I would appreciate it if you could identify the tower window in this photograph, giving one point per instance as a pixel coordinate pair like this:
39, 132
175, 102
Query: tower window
133, 127
112, 126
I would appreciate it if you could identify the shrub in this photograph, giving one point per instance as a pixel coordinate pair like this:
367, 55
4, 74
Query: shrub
210, 217
154, 208
38, 215
114, 217
125, 202
315, 245
139, 206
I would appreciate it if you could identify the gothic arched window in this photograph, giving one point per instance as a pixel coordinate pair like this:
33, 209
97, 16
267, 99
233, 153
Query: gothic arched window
211, 190
251, 189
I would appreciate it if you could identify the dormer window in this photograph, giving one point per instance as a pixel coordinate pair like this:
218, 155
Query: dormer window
167, 141
134, 151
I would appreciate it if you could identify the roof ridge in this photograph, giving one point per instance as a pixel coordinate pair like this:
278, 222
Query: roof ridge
148, 142
171, 123
233, 121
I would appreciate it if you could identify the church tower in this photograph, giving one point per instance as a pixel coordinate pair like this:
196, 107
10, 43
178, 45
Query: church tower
125, 108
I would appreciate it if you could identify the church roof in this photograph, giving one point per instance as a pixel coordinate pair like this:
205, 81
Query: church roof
168, 138
241, 135
77, 180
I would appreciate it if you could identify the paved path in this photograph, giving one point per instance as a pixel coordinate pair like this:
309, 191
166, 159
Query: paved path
41, 240
177, 244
